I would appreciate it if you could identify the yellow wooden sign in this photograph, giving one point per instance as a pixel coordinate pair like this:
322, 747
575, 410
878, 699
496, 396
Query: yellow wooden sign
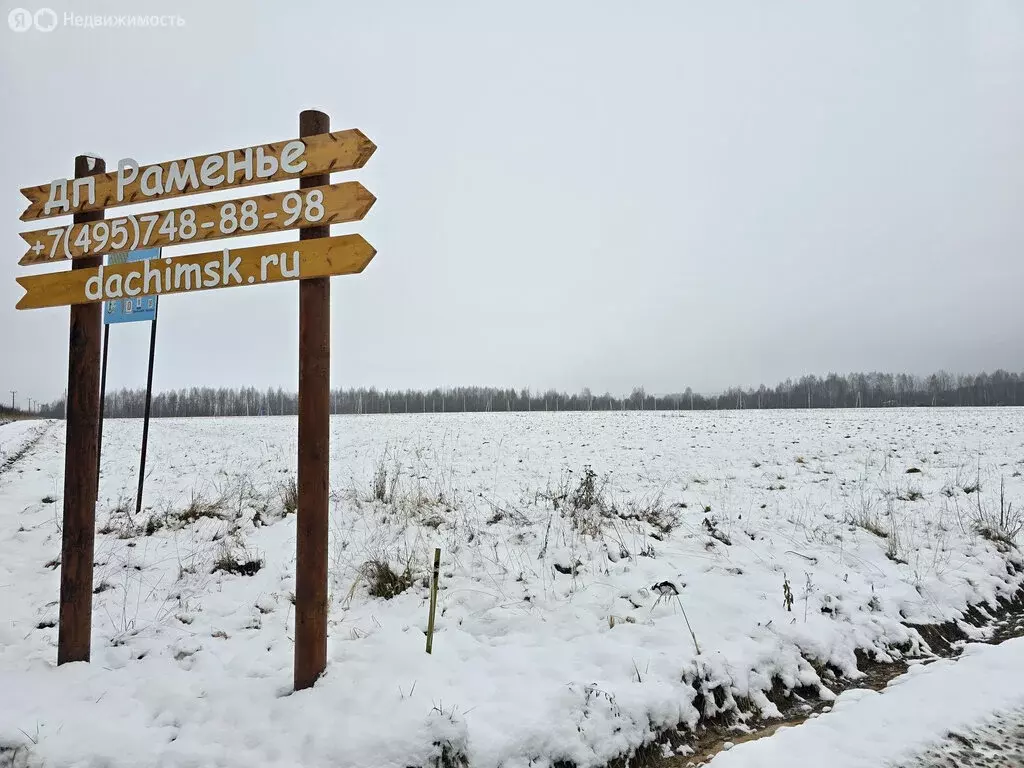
131, 183
321, 257
312, 207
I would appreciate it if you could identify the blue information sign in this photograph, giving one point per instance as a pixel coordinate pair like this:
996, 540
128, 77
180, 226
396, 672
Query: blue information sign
134, 308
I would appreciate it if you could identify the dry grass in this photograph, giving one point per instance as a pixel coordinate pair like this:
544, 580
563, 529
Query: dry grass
1002, 524
199, 506
290, 496
239, 564
589, 493
382, 580
911, 494
654, 512
385, 477
871, 523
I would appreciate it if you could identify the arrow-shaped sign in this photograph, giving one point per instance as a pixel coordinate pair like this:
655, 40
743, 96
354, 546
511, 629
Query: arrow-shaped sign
311, 207
321, 257
314, 155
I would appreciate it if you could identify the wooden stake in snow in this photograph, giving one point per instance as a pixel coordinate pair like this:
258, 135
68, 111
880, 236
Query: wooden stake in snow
433, 599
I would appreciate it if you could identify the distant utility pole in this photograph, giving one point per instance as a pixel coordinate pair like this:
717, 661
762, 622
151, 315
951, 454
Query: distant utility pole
13, 393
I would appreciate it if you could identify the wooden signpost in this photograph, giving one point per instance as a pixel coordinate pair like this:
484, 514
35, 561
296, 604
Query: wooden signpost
81, 475
342, 255
309, 156
319, 206
311, 209
311, 525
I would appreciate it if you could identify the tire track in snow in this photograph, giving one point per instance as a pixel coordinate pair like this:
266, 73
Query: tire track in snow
9, 459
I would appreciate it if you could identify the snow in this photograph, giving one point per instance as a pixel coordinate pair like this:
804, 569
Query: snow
999, 737
867, 729
548, 643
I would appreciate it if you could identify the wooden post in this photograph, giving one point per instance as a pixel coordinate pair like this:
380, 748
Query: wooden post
314, 455
433, 599
74, 637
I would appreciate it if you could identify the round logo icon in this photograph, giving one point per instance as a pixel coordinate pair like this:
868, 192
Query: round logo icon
20, 20
45, 19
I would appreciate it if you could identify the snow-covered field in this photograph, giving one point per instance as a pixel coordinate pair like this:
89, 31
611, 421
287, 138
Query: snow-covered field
549, 643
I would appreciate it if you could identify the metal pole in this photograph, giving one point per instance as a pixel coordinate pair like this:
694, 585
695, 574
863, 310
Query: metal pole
314, 451
74, 638
145, 418
103, 405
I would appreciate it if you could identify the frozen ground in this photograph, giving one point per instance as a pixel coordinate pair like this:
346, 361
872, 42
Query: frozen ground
549, 645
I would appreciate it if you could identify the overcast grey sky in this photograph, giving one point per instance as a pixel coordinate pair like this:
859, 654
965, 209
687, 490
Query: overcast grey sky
569, 193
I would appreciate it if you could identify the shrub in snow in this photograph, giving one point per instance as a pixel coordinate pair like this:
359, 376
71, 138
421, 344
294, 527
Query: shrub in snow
239, 564
384, 581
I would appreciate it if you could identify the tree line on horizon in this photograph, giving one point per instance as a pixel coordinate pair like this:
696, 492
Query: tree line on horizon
855, 390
